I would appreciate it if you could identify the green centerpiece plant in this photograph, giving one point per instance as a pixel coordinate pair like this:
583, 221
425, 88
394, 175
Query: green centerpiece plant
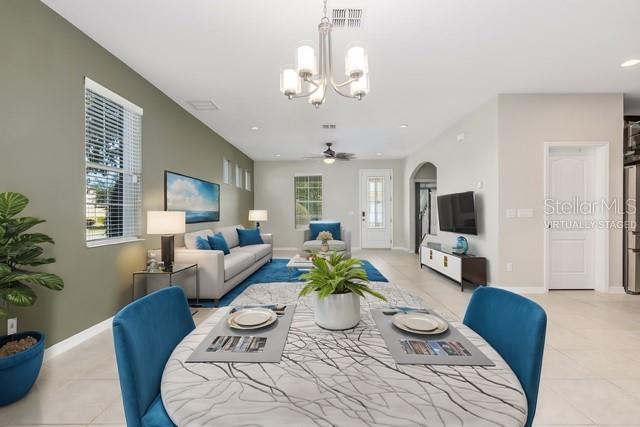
339, 283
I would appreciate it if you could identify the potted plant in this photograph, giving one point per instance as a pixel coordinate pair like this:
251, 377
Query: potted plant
20, 354
339, 283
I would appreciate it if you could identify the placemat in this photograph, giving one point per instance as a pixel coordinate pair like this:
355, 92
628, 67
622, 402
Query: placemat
448, 348
225, 344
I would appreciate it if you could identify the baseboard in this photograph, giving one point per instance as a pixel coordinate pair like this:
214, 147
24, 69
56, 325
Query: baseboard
522, 289
400, 248
616, 290
79, 338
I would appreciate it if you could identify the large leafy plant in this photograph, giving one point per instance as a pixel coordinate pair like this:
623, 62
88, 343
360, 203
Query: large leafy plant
20, 250
337, 275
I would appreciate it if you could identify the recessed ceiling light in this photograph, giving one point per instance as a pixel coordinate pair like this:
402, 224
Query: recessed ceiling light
378, 154
404, 125
630, 63
277, 155
254, 128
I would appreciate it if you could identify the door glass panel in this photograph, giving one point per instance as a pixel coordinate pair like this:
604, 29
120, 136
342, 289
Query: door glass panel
375, 201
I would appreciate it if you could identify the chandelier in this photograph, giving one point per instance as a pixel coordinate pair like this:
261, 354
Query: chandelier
311, 75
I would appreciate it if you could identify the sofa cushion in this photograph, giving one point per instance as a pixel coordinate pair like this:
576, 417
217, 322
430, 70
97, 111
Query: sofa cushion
236, 262
230, 235
315, 245
203, 244
250, 236
217, 243
333, 227
190, 238
257, 251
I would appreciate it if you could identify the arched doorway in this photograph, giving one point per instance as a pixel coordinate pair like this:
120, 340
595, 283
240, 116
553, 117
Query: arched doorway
424, 219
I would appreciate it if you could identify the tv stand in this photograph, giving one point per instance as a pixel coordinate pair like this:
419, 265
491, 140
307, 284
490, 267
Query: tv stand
460, 268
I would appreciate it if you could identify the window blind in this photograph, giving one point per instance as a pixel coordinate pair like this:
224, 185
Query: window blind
308, 197
113, 172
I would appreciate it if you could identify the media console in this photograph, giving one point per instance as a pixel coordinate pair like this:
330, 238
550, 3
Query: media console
461, 268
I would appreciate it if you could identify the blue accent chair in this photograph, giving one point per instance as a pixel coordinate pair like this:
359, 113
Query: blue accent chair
145, 333
515, 327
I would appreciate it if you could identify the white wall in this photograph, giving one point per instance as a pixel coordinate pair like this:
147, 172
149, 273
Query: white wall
273, 188
460, 166
526, 122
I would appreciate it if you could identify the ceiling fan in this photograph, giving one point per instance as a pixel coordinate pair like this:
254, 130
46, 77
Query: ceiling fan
329, 155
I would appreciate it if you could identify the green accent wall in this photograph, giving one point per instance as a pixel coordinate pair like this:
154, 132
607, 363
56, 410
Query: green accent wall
43, 62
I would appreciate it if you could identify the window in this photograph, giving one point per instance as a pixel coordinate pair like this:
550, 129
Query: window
247, 180
238, 176
113, 166
308, 194
375, 186
226, 171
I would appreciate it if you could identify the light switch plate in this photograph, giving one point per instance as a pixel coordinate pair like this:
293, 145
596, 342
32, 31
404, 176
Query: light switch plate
511, 213
12, 326
509, 266
525, 213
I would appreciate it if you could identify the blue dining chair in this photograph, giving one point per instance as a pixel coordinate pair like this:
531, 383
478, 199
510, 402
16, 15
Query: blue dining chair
145, 333
515, 327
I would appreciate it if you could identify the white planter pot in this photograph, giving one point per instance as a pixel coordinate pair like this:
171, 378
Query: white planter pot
338, 311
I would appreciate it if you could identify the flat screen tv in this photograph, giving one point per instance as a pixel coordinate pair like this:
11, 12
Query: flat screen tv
457, 213
199, 199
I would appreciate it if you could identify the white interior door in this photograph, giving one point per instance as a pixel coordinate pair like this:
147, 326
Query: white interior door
376, 208
571, 251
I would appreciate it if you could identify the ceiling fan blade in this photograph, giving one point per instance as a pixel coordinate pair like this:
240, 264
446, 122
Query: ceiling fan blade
345, 156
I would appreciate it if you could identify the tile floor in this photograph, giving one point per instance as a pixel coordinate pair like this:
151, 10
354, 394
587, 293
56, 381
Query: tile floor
591, 369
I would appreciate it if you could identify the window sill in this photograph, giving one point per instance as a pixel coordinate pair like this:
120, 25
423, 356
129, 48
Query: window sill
110, 242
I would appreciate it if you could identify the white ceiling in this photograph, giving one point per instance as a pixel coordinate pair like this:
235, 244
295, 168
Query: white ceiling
430, 61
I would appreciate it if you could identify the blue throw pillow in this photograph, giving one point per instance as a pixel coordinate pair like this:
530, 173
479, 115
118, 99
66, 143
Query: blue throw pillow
218, 243
249, 236
203, 244
332, 227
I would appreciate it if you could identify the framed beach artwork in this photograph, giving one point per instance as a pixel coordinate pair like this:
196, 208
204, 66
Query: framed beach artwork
200, 199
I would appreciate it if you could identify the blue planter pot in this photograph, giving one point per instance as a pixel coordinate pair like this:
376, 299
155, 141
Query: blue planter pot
18, 373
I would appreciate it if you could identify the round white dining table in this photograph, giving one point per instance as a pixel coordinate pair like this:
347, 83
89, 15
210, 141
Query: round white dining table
337, 378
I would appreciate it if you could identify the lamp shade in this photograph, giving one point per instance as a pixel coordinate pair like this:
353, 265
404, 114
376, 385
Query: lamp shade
165, 222
258, 215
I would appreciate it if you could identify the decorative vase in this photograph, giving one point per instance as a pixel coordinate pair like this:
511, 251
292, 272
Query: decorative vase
462, 246
324, 247
21, 369
338, 311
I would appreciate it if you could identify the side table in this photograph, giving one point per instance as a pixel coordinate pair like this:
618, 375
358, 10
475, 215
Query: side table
176, 269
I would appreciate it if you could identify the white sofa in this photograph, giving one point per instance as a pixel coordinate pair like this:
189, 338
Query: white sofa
220, 273
334, 245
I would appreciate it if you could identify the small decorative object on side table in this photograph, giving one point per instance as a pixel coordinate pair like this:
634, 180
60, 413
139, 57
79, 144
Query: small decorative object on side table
462, 246
169, 273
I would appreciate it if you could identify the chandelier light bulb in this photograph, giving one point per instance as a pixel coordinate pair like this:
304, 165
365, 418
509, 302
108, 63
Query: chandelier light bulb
359, 88
289, 82
306, 60
329, 160
356, 61
317, 97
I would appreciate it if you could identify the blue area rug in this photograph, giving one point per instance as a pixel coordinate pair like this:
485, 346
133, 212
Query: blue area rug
276, 271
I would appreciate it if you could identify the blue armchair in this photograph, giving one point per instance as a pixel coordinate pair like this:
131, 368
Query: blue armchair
515, 327
145, 333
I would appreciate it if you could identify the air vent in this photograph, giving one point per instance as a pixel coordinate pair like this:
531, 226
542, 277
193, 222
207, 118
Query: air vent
328, 126
203, 105
346, 18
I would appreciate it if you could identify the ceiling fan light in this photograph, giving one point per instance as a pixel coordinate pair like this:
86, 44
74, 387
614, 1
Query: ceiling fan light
329, 160
306, 60
289, 81
356, 61
360, 87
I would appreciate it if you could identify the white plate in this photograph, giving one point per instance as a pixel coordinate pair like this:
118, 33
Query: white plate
252, 318
420, 323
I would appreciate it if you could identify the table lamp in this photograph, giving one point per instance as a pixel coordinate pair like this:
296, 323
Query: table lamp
258, 215
166, 223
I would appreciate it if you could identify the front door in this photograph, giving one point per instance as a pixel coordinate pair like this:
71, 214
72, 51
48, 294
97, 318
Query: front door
376, 208
571, 251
